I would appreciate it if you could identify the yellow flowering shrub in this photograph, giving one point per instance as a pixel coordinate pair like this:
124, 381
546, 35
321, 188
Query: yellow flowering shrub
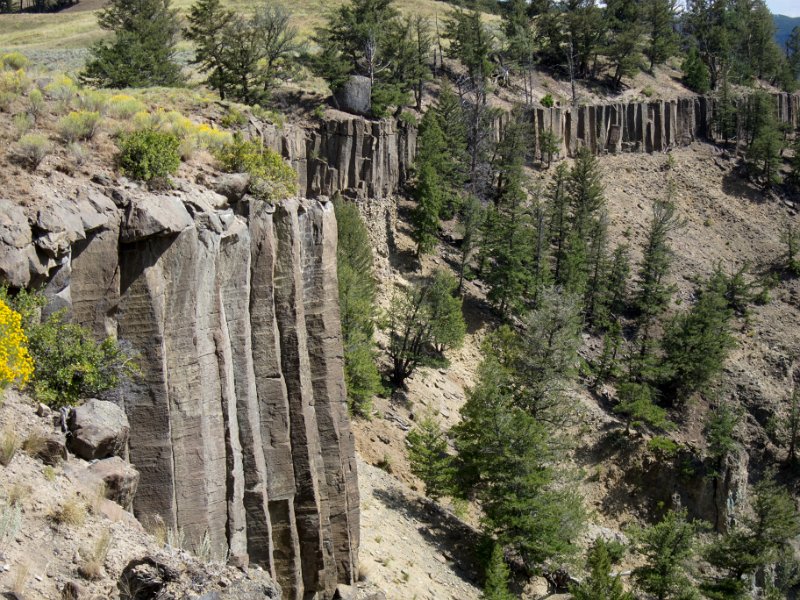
16, 365
15, 82
124, 106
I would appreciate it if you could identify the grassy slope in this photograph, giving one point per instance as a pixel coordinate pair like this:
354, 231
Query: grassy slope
76, 28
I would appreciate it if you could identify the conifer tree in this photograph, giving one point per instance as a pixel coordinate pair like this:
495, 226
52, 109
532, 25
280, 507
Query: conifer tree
624, 32
659, 20
423, 321
787, 427
509, 460
429, 459
600, 584
638, 407
791, 237
695, 72
597, 286
357, 308
508, 246
425, 218
208, 23
558, 225
616, 299
497, 574
755, 542
586, 201
725, 112
470, 216
697, 343
667, 547
654, 292
471, 43
142, 51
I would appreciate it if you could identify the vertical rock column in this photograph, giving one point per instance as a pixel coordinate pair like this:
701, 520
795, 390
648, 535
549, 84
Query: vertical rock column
325, 350
272, 404
310, 500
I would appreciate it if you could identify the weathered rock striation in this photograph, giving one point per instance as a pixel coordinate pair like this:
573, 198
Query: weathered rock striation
238, 420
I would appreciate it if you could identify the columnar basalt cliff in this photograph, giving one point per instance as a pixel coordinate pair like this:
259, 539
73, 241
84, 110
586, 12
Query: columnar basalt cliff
372, 159
238, 419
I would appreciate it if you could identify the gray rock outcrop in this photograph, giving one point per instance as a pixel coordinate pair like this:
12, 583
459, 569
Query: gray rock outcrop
238, 420
97, 429
355, 96
119, 479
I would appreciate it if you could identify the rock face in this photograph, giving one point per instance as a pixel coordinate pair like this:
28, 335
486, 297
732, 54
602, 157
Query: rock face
238, 421
97, 429
355, 96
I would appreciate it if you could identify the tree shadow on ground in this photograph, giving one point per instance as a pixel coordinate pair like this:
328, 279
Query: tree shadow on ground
452, 538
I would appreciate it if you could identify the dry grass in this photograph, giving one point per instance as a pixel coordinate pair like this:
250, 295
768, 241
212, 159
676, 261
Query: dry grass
71, 513
69, 30
18, 493
20, 580
92, 566
9, 444
35, 443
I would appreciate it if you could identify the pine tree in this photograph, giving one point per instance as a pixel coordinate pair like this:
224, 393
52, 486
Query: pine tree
725, 112
616, 299
470, 216
471, 43
791, 237
357, 308
654, 293
660, 19
667, 547
558, 225
142, 51
637, 405
545, 363
508, 459
594, 302
208, 22
624, 32
497, 574
757, 541
586, 201
695, 72
508, 239
423, 321
600, 584
429, 459
787, 427
425, 218
793, 52
697, 343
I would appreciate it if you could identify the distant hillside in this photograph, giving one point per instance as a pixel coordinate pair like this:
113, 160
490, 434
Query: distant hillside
783, 28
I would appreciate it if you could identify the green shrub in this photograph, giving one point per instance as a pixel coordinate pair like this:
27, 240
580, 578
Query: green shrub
36, 105
547, 101
93, 101
271, 177
15, 60
69, 365
23, 123
79, 125
123, 106
148, 154
33, 148
233, 119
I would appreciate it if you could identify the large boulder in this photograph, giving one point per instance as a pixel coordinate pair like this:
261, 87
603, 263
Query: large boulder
154, 216
98, 429
119, 478
355, 96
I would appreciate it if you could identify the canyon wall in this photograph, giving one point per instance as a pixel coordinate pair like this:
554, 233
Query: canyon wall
238, 417
370, 160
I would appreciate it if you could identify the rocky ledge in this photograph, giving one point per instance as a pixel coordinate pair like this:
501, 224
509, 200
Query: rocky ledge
238, 419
